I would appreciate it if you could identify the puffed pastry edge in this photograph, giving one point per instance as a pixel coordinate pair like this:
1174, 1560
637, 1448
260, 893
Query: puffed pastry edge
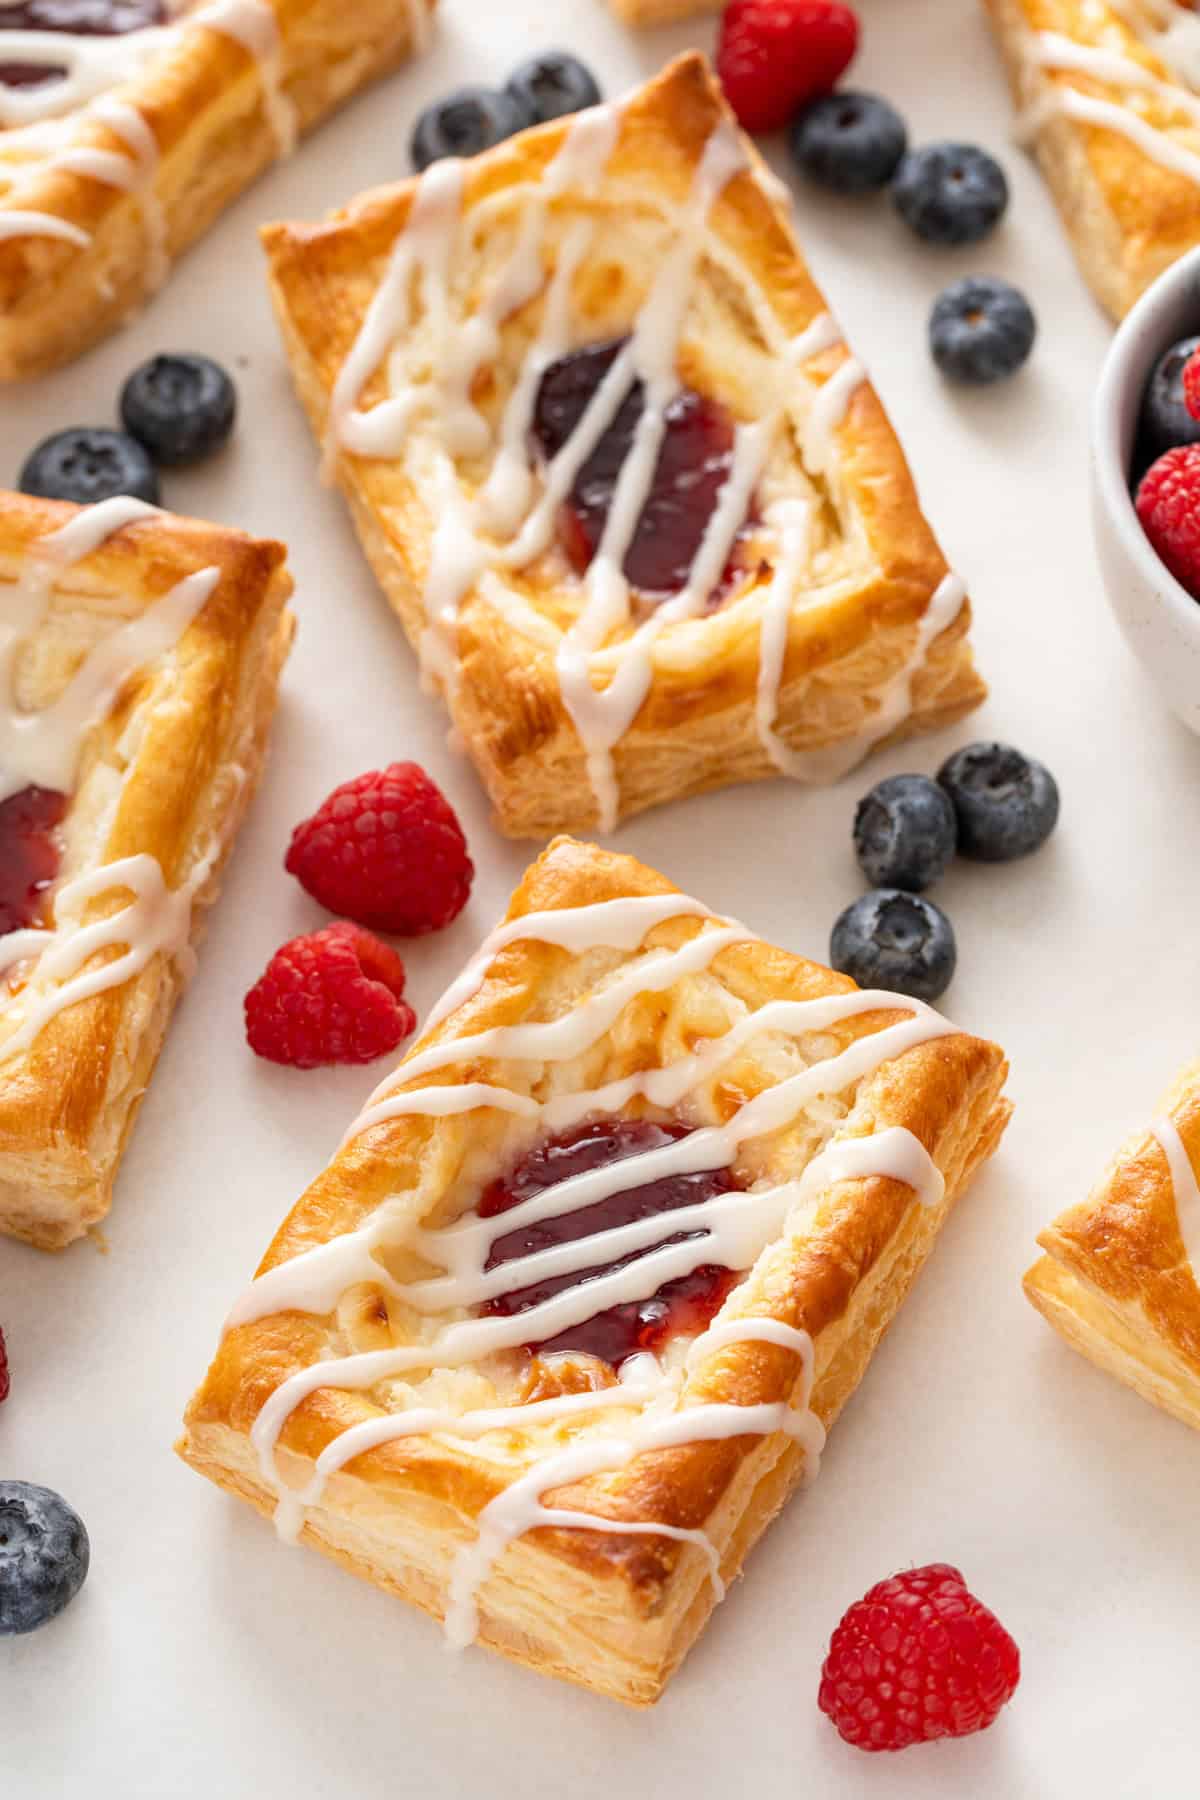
616, 1615
68, 1102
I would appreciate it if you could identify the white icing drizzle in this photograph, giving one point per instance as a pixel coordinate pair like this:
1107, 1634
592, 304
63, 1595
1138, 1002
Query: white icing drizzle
736, 1227
893, 701
253, 25
158, 919
1187, 1189
1172, 33
18, 222
93, 66
42, 749
507, 505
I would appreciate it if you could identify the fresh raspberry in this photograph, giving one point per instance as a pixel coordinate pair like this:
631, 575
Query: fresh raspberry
4, 1383
1168, 505
1191, 384
387, 850
917, 1658
773, 56
331, 997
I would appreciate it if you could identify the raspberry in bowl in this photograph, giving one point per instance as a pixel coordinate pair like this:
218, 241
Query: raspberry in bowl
1158, 616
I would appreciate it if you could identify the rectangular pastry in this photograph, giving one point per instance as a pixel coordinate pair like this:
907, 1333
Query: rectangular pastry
640, 511
1108, 97
122, 142
566, 1319
1121, 1275
139, 658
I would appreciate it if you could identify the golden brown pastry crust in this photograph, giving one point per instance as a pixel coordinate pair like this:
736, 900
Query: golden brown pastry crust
1128, 217
185, 742
697, 729
1116, 1280
204, 102
614, 1613
662, 12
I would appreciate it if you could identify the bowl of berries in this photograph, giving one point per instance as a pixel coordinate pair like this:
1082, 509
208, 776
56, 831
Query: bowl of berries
1146, 483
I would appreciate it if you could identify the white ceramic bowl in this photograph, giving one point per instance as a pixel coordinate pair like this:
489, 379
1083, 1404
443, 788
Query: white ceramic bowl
1160, 621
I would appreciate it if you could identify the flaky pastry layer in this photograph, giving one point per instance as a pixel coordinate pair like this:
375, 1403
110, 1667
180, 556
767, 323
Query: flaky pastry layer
613, 1612
216, 130
1116, 1280
853, 622
1129, 214
168, 774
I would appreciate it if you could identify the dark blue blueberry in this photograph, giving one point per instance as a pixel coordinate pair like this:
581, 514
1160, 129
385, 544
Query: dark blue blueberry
180, 407
87, 464
467, 121
890, 939
950, 193
905, 833
1006, 804
1165, 420
550, 85
981, 330
44, 1555
849, 142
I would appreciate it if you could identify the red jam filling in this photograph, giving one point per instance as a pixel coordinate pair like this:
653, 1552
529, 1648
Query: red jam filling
29, 853
82, 18
683, 1306
694, 462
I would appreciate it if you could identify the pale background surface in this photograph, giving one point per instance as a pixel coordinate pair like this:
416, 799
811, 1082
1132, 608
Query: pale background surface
205, 1659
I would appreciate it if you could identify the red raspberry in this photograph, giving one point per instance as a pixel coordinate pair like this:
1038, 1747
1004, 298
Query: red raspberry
4, 1384
1168, 505
387, 850
775, 55
918, 1658
1191, 384
331, 997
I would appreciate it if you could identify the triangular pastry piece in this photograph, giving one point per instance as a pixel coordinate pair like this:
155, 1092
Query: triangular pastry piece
139, 659
120, 144
565, 1320
1108, 97
637, 506
1121, 1275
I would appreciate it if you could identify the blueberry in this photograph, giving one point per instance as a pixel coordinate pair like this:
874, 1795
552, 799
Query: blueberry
550, 85
893, 940
849, 142
905, 833
1165, 420
44, 1555
467, 121
1006, 804
981, 330
87, 464
950, 193
181, 408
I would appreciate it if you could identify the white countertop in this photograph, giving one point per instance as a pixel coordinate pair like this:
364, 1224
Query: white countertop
203, 1658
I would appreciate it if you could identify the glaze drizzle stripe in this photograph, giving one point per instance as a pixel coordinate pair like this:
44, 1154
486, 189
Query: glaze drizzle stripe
42, 748
1187, 1188
603, 683
737, 1227
94, 65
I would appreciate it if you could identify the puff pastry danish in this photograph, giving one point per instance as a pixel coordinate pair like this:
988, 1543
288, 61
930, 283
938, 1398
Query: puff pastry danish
1121, 1275
121, 144
564, 1322
639, 510
139, 656
1109, 99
